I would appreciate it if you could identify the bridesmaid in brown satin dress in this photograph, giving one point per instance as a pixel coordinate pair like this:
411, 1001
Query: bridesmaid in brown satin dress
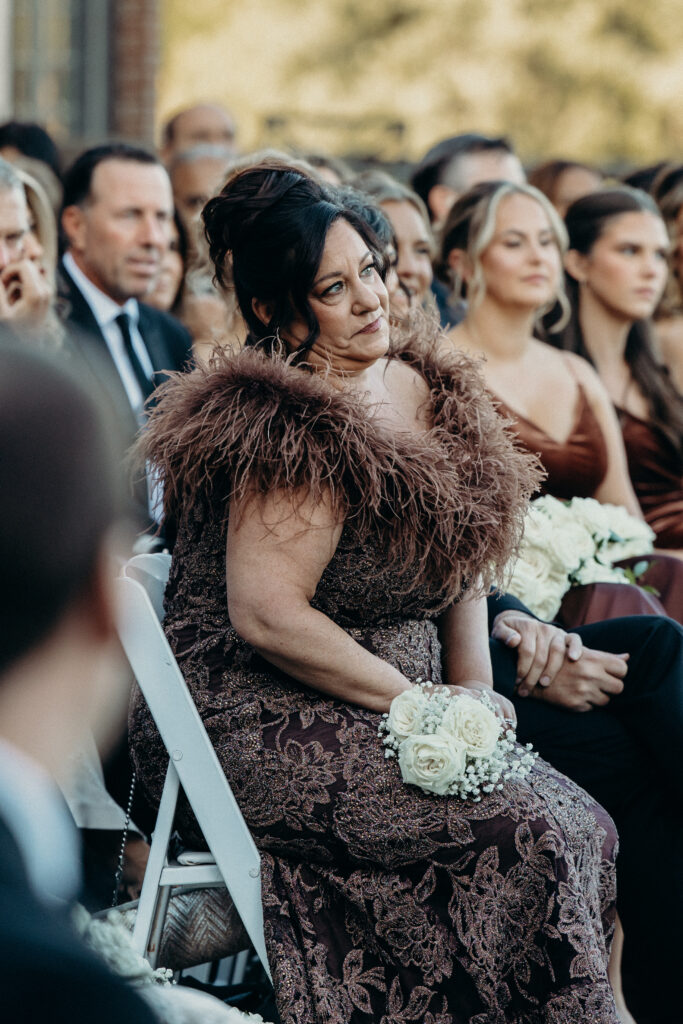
617, 267
504, 245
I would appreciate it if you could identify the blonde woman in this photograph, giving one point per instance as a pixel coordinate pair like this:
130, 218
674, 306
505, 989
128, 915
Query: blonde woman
504, 245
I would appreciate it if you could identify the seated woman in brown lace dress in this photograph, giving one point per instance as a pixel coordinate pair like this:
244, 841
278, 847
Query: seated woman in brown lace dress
340, 512
504, 244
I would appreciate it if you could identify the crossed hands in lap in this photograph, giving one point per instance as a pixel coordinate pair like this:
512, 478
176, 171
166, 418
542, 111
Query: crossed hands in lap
555, 666
25, 293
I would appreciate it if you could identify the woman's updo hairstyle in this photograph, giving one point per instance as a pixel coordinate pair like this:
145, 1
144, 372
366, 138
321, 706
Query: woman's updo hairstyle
471, 225
270, 221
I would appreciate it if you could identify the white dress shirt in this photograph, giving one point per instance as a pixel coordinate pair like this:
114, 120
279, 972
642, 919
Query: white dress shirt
34, 811
105, 311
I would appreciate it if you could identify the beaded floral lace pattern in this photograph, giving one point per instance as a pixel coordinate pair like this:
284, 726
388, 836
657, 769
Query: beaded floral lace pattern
383, 903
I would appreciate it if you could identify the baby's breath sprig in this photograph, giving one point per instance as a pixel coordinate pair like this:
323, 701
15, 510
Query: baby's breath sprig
452, 744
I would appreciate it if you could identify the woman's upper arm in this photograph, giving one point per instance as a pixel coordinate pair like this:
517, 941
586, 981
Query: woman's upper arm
616, 488
278, 546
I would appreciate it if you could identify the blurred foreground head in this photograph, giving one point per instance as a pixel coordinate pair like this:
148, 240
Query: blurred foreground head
60, 488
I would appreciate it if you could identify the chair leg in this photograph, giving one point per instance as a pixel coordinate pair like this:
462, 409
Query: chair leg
149, 896
157, 929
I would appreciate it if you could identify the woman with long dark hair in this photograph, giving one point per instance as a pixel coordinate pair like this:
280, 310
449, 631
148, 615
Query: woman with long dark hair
617, 270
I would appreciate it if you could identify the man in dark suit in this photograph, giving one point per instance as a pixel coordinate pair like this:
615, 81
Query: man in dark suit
116, 218
57, 643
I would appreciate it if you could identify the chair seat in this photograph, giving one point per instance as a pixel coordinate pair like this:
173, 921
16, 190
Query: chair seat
176, 873
196, 857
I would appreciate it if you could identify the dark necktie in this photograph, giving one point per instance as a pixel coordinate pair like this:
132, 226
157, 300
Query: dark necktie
123, 323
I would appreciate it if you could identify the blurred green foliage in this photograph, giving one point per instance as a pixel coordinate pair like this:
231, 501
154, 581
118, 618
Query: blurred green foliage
594, 79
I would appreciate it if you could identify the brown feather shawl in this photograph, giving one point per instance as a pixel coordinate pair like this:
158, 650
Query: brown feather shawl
447, 505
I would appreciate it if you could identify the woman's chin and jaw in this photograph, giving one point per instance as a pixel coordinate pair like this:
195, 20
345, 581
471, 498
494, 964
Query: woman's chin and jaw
352, 354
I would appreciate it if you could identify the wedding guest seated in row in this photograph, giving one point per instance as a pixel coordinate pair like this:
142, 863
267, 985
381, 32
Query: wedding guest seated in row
667, 191
197, 174
117, 214
450, 168
454, 165
167, 293
197, 125
643, 177
563, 181
410, 223
350, 495
617, 271
28, 145
604, 705
26, 293
504, 244
331, 169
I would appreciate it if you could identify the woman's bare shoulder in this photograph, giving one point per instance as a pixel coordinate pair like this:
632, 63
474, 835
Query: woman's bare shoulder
580, 368
402, 375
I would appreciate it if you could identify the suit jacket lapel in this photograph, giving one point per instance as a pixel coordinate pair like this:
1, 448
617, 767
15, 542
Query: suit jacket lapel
87, 339
76, 306
155, 342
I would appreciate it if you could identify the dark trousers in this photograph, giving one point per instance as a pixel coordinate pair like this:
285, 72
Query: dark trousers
628, 757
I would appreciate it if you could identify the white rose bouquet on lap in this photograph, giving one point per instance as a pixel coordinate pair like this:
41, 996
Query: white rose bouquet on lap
452, 745
570, 544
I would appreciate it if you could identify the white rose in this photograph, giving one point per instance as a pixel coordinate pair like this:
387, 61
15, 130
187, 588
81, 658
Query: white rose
406, 712
473, 724
551, 508
572, 544
594, 572
432, 762
593, 515
538, 582
635, 536
538, 528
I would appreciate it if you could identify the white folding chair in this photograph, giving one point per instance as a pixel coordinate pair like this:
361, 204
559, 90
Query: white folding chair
234, 861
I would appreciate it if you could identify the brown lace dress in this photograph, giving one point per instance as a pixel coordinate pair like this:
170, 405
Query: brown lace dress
382, 904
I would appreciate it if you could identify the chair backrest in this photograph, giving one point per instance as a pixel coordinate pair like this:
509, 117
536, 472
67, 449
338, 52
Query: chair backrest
201, 776
152, 571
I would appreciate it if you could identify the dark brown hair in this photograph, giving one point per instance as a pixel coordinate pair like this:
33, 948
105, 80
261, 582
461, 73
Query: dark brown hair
586, 220
271, 222
546, 176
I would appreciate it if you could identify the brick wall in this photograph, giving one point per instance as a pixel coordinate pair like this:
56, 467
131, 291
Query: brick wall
135, 52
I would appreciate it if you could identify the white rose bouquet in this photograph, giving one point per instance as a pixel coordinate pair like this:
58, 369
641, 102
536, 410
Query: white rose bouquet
570, 544
452, 745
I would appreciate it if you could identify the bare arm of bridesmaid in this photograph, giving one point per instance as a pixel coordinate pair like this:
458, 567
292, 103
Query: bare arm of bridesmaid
277, 549
616, 488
